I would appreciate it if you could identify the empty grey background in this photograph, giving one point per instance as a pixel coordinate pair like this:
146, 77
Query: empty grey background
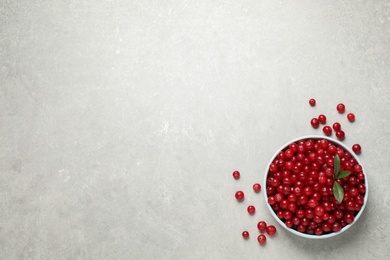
122, 121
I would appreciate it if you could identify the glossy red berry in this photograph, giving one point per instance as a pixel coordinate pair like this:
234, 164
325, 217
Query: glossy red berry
271, 230
240, 195
262, 226
356, 148
251, 209
336, 126
314, 122
312, 102
257, 187
327, 130
262, 239
245, 234
351, 117
340, 108
322, 119
340, 135
236, 175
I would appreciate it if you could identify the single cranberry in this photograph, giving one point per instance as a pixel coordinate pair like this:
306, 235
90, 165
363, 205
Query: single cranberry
236, 175
359, 199
336, 227
271, 230
314, 122
251, 209
361, 188
271, 200
360, 176
309, 213
336, 126
262, 226
245, 234
301, 228
262, 239
318, 231
312, 102
319, 211
348, 218
287, 215
340, 108
289, 223
273, 167
338, 214
322, 119
327, 130
300, 213
239, 195
257, 187
340, 135
289, 153
312, 203
326, 227
284, 204
356, 148
353, 192
351, 117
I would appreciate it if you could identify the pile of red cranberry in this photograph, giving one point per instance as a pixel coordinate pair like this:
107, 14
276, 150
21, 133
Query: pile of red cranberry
299, 187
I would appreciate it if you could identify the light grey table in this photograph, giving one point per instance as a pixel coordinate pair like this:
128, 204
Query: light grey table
122, 121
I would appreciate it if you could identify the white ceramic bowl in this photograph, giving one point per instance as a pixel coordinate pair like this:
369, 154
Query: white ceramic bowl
295, 232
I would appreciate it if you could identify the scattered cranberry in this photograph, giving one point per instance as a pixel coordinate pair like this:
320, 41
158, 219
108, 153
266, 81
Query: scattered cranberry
271, 230
245, 234
262, 226
327, 130
312, 102
251, 209
257, 187
340, 135
322, 119
314, 122
236, 175
356, 148
336, 126
262, 239
340, 108
240, 195
351, 117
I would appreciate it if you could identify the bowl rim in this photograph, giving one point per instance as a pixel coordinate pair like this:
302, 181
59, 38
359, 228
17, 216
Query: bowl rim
293, 231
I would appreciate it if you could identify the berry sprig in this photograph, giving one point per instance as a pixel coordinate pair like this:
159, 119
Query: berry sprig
338, 191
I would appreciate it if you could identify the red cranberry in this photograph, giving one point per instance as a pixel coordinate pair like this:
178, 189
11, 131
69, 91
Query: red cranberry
318, 231
262, 226
356, 148
336, 227
340, 134
312, 102
245, 234
314, 122
240, 195
351, 117
336, 126
340, 108
327, 130
262, 239
322, 119
257, 187
349, 218
251, 209
271, 230
236, 175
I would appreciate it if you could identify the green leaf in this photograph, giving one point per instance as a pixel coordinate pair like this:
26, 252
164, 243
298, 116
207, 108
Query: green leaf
338, 191
336, 165
343, 174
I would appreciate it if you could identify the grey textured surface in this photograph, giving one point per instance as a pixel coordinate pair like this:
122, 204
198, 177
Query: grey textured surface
121, 122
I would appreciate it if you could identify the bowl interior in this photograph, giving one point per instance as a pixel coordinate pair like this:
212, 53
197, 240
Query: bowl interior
315, 137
